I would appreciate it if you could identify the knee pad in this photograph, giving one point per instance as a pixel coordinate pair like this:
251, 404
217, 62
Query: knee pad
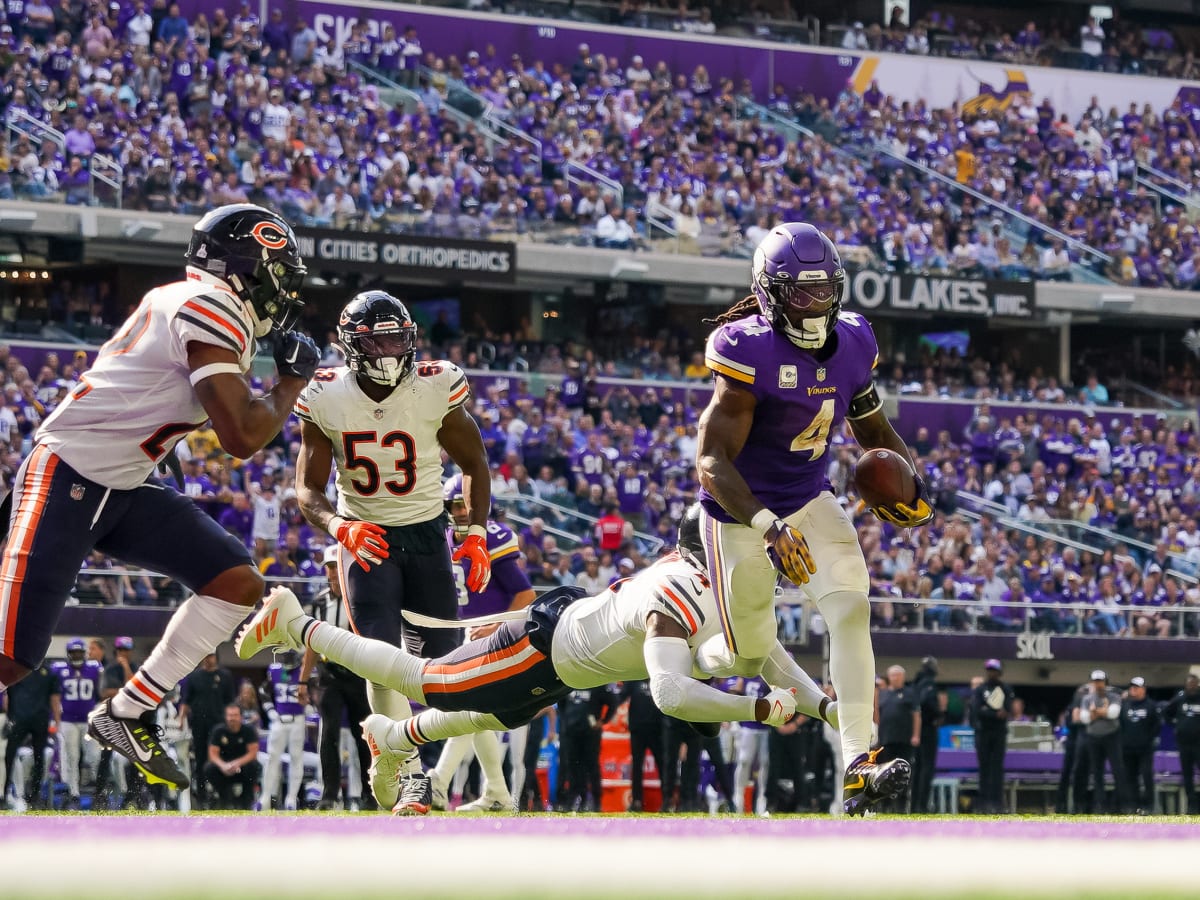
845, 609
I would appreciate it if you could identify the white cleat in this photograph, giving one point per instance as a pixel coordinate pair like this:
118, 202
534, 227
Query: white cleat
494, 803
268, 628
384, 773
441, 794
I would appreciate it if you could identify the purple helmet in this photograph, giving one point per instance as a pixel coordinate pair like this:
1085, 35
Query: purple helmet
799, 283
452, 496
76, 650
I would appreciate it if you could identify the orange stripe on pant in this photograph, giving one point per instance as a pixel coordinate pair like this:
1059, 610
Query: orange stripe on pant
488, 678
26, 517
482, 659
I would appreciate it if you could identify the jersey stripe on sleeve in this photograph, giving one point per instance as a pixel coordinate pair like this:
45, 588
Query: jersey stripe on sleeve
727, 367
459, 392
677, 607
224, 304
301, 410
216, 325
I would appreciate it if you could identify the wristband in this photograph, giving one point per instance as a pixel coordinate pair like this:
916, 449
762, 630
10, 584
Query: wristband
477, 531
762, 521
334, 524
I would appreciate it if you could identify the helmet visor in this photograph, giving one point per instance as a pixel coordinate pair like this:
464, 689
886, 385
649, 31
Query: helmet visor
395, 343
801, 299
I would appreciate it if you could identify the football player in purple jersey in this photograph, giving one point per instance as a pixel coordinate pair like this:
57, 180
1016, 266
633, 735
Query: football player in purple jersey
79, 678
789, 368
508, 589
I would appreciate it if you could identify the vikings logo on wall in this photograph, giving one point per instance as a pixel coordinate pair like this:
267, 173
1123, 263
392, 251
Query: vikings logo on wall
990, 99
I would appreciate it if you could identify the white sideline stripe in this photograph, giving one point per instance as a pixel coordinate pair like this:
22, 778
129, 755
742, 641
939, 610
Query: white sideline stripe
718, 866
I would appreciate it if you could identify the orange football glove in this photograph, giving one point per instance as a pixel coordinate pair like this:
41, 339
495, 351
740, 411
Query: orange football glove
474, 549
788, 551
365, 540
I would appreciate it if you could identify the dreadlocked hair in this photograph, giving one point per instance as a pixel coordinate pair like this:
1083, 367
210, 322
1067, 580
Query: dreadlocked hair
747, 306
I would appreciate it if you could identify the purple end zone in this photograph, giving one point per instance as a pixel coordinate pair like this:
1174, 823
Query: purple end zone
175, 827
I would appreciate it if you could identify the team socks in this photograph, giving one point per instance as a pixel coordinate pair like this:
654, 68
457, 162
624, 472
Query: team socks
193, 633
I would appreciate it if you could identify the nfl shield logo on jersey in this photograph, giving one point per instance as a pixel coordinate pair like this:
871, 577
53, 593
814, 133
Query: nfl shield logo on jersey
821, 374
77, 492
787, 376
379, 414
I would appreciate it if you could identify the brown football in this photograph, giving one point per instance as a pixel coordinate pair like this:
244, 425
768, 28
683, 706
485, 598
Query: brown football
883, 478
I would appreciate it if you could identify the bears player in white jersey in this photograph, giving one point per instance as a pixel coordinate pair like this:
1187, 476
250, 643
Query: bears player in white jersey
383, 420
508, 589
181, 359
648, 626
789, 368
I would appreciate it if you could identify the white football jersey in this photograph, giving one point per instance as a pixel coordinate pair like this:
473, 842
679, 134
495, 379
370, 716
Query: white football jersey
387, 454
601, 639
137, 402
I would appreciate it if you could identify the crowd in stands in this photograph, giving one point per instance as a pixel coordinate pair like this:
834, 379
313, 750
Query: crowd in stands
616, 460
206, 112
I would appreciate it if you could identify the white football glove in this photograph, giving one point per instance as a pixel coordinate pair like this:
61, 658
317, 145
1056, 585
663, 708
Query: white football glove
783, 706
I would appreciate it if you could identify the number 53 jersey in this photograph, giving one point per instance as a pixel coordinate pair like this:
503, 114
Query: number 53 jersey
800, 401
387, 454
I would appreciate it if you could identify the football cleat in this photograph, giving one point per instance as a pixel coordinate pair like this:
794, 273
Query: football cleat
268, 628
868, 782
139, 741
384, 773
416, 796
495, 803
441, 796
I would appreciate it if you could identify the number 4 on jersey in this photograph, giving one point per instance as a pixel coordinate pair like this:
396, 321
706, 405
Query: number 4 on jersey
816, 436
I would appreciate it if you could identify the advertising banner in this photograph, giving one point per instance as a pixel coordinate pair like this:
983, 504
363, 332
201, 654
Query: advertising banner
939, 295
402, 254
975, 84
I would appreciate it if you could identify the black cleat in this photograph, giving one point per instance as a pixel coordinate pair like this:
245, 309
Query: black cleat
868, 782
139, 741
416, 796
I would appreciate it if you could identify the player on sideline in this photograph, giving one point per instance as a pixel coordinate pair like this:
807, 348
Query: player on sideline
384, 420
79, 678
181, 359
647, 626
789, 367
508, 589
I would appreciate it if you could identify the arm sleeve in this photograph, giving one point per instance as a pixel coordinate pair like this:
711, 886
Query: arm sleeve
676, 693
782, 671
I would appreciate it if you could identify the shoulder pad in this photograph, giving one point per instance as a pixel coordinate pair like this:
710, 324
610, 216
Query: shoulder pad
732, 349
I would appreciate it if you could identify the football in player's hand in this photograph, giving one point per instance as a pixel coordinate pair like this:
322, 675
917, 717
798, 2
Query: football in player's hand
884, 478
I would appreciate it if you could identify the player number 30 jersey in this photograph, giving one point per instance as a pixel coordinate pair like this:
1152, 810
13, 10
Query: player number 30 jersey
388, 457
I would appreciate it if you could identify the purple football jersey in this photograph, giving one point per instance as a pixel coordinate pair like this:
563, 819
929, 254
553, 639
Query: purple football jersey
80, 688
801, 401
285, 689
508, 578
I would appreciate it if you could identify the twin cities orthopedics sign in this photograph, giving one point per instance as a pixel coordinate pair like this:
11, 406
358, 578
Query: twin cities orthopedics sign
870, 290
400, 254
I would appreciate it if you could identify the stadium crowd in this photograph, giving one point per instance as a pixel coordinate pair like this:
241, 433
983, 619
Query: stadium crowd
201, 113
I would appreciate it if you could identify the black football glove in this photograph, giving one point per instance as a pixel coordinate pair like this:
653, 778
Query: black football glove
296, 356
908, 515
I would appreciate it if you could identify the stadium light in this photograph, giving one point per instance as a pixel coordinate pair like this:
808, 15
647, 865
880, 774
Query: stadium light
17, 220
139, 229
628, 269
